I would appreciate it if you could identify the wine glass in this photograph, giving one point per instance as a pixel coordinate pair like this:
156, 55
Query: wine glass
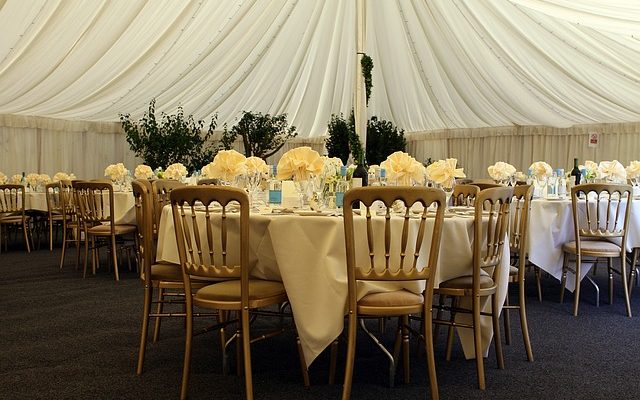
252, 182
317, 187
448, 187
302, 187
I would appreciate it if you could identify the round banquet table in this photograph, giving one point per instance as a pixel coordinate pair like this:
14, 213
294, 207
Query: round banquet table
307, 254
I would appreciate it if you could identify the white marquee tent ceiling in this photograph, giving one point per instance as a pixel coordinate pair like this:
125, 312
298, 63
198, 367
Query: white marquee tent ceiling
438, 64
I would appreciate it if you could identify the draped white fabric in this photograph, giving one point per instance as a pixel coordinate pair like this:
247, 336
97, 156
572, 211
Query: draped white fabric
439, 66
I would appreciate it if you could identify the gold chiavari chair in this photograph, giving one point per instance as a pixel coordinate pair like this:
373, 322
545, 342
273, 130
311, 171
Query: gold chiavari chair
55, 206
521, 201
392, 258
485, 185
96, 204
601, 220
209, 181
464, 195
208, 251
489, 233
12, 213
71, 222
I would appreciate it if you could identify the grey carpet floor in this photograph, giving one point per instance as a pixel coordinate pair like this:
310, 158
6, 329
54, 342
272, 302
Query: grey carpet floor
65, 337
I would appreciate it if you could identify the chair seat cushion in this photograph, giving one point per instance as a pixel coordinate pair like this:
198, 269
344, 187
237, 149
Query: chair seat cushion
466, 282
13, 219
166, 272
513, 270
229, 291
593, 246
106, 229
396, 298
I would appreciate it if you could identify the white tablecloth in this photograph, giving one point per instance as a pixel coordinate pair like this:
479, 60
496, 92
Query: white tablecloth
551, 225
124, 211
307, 253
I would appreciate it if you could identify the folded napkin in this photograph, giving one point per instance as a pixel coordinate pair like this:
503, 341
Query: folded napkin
226, 165
444, 172
256, 164
175, 171
501, 171
299, 164
143, 171
400, 167
63, 176
633, 170
612, 170
541, 169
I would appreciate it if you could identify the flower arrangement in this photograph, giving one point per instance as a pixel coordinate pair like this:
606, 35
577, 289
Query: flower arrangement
16, 179
63, 176
501, 171
175, 171
116, 172
143, 171
32, 180
612, 171
402, 168
299, 163
590, 169
541, 169
3, 178
444, 172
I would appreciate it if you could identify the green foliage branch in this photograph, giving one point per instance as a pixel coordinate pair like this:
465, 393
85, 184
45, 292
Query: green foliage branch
262, 134
173, 139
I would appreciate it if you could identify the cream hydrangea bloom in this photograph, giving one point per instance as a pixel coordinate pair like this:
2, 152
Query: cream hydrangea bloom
61, 176
541, 169
3, 178
116, 172
175, 171
501, 171
16, 179
143, 171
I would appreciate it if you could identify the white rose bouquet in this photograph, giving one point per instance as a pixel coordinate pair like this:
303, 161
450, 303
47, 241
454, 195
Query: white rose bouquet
63, 176
116, 172
3, 178
143, 171
16, 179
633, 170
175, 171
590, 169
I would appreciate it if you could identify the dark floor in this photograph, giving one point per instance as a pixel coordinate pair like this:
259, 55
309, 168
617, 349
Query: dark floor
64, 337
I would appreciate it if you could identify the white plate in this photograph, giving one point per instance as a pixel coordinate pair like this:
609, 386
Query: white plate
311, 213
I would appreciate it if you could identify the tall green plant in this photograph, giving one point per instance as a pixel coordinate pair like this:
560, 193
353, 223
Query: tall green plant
366, 63
171, 140
337, 142
262, 134
383, 139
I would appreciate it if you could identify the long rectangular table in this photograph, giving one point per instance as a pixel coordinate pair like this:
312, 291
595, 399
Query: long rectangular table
307, 254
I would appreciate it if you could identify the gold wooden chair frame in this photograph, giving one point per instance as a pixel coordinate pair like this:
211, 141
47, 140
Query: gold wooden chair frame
464, 195
597, 210
204, 253
486, 185
209, 181
522, 196
98, 220
12, 213
71, 221
55, 209
398, 265
488, 244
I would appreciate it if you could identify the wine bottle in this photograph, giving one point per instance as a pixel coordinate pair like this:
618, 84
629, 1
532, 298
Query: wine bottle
275, 187
575, 171
341, 187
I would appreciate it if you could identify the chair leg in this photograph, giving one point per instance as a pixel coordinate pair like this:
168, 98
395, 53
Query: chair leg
450, 331
623, 272
86, 256
431, 361
148, 293
538, 274
187, 356
246, 351
523, 321
25, 230
64, 245
576, 294
563, 280
114, 254
495, 318
159, 310
332, 362
477, 342
50, 235
303, 365
610, 277
507, 320
351, 352
405, 348
633, 276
